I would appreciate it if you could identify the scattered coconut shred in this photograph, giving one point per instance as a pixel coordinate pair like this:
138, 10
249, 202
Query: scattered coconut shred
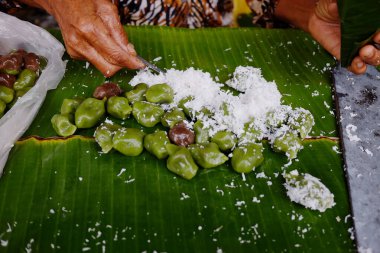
258, 98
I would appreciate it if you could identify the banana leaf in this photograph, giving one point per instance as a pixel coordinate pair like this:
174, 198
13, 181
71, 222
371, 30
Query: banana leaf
62, 194
359, 21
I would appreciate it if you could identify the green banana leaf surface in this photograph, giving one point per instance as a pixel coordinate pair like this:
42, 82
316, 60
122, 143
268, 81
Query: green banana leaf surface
63, 194
359, 21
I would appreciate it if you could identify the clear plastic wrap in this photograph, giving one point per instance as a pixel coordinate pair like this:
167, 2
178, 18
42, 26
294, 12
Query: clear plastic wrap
17, 34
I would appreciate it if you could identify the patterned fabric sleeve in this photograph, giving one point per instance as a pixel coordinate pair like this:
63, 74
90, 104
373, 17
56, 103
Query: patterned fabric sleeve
194, 13
263, 12
9, 6
179, 13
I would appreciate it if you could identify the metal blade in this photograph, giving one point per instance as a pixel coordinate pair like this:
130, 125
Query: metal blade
358, 103
150, 65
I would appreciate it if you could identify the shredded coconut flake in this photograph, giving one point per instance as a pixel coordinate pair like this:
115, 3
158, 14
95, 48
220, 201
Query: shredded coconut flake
350, 130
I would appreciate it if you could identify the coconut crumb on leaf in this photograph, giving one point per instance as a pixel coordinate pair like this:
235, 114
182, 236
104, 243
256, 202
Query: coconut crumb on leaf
308, 191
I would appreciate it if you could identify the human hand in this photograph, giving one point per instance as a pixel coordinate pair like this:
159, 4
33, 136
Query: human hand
92, 31
324, 26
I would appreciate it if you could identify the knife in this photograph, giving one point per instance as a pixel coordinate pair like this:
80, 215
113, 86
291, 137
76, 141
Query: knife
150, 65
358, 107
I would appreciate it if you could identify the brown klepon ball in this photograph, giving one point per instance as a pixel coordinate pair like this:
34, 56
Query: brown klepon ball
107, 90
181, 135
31, 62
12, 62
7, 80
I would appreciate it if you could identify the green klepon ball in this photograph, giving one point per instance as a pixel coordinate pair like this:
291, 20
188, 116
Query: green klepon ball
147, 114
119, 107
172, 117
302, 121
247, 157
155, 144
137, 93
225, 140
207, 155
183, 104
27, 78
287, 142
6, 94
89, 113
201, 133
129, 141
181, 163
160, 93
252, 133
308, 191
278, 117
62, 124
104, 136
70, 105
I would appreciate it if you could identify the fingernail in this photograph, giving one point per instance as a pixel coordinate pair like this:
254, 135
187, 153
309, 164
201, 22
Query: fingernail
359, 65
131, 49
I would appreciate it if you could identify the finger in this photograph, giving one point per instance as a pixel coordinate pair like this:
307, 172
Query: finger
69, 39
357, 66
83, 50
109, 15
73, 54
370, 55
98, 37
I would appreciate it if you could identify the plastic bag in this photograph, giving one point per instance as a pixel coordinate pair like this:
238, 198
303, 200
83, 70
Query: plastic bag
17, 34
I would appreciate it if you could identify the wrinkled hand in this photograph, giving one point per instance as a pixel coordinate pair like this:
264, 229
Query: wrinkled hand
324, 26
92, 31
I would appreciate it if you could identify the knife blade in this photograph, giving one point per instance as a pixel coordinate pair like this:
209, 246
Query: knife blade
150, 65
358, 106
